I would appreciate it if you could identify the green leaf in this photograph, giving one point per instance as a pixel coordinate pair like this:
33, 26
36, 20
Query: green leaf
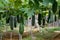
59, 2
30, 12
52, 1
17, 3
1, 5
31, 3
2, 10
45, 2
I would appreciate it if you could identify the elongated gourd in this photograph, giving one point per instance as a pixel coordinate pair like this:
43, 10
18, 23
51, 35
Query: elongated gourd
33, 20
43, 21
21, 28
7, 19
39, 18
59, 14
55, 18
51, 18
0, 16
15, 22
18, 18
49, 15
54, 7
11, 22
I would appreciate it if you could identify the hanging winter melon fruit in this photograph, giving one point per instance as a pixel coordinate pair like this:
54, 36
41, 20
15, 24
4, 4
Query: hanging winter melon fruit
7, 19
18, 18
39, 18
54, 7
55, 18
43, 21
49, 15
11, 22
0, 16
21, 28
59, 14
33, 20
15, 22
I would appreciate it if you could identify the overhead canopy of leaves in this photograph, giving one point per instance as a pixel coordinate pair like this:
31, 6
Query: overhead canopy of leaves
24, 7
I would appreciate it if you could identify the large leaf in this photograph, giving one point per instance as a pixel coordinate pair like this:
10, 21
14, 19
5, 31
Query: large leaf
52, 1
28, 11
59, 2
31, 4
1, 5
2, 10
17, 3
46, 2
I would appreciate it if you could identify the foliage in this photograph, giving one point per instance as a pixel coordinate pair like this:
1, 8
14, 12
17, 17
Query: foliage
25, 7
